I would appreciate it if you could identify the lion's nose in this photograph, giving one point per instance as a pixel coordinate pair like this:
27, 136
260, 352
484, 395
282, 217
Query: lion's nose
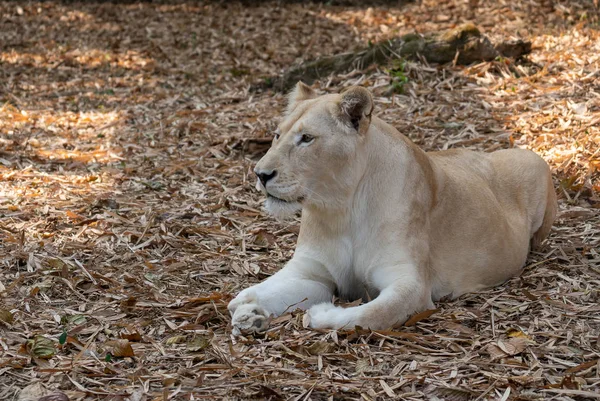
265, 175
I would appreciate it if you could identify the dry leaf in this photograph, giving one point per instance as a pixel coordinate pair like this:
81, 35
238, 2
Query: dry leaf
420, 316
572, 382
448, 393
363, 365
6, 316
517, 333
495, 351
198, 343
32, 392
128, 304
507, 347
176, 340
56, 396
73, 216
133, 337
56, 263
41, 347
119, 348
459, 328
305, 320
583, 366
264, 239
320, 347
76, 320
513, 346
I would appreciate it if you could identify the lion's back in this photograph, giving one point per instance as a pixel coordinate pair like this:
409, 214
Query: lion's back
489, 207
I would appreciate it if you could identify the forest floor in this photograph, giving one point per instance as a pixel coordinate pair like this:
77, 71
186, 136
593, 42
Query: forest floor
128, 217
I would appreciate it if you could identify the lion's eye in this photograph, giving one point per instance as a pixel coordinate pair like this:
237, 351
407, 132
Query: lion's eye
277, 135
305, 138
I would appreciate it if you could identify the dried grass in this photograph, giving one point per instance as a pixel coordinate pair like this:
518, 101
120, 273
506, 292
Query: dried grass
128, 217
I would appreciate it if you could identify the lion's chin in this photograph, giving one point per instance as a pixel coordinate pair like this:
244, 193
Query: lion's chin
281, 209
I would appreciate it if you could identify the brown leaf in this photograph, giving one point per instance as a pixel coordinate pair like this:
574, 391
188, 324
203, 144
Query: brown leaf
448, 393
32, 392
128, 304
583, 366
513, 346
119, 348
495, 351
6, 316
529, 295
56, 263
133, 337
459, 327
73, 216
264, 239
57, 396
320, 347
571, 383
420, 316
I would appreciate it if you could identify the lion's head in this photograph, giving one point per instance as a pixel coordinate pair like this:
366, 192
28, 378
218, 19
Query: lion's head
317, 151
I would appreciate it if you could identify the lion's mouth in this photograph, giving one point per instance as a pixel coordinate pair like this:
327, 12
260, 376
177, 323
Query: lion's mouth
299, 200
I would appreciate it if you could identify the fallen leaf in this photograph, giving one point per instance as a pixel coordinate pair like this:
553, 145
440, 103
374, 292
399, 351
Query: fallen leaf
56, 263
63, 337
57, 396
73, 216
320, 347
583, 366
516, 333
448, 393
133, 337
579, 109
137, 395
33, 392
119, 348
305, 320
175, 340
6, 316
513, 346
76, 320
362, 365
128, 304
41, 347
495, 351
198, 344
507, 347
572, 382
420, 316
264, 239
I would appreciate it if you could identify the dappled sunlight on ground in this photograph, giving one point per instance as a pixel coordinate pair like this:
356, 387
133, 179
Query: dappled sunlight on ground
93, 58
555, 110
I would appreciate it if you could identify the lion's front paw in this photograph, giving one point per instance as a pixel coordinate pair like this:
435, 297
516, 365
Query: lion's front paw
328, 316
248, 296
250, 318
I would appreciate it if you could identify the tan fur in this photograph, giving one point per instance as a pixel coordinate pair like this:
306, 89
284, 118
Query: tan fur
382, 219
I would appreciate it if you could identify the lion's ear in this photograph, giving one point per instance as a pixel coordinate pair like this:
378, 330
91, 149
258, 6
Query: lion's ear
356, 106
299, 93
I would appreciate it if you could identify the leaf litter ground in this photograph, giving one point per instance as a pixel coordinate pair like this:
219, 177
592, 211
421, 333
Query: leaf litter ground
128, 217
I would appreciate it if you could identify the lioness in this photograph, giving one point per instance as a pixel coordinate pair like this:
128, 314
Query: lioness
383, 220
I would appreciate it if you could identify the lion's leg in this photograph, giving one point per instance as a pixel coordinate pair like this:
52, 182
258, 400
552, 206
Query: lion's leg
402, 294
300, 284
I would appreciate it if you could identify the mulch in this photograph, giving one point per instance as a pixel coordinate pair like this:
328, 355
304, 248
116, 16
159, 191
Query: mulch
128, 215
